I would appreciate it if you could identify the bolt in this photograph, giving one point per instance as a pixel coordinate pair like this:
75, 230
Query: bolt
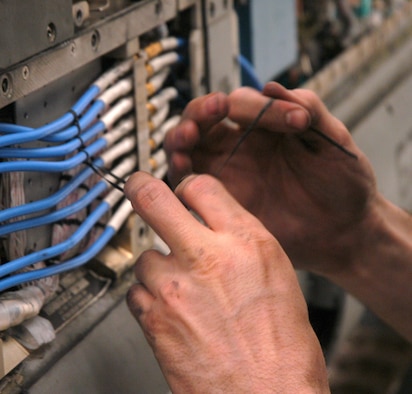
158, 7
212, 9
51, 32
95, 39
5, 85
25, 72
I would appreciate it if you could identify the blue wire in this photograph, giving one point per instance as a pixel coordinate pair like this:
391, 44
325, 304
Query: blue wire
36, 134
53, 151
84, 101
55, 216
75, 262
55, 126
52, 200
14, 128
57, 249
84, 121
249, 70
63, 135
54, 166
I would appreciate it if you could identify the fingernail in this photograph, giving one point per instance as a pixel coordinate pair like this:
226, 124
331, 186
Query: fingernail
297, 118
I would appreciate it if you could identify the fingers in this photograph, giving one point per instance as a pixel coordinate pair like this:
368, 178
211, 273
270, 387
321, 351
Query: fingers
281, 116
139, 300
208, 110
161, 210
152, 270
212, 202
200, 115
320, 116
325, 130
179, 166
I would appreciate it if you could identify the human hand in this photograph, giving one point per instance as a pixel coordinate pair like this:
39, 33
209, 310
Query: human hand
223, 311
313, 197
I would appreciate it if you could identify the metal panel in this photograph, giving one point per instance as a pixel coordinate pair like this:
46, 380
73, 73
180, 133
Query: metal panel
33, 23
102, 38
268, 32
222, 48
385, 136
114, 358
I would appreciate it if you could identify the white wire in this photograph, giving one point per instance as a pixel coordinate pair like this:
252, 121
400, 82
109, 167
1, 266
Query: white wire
114, 74
159, 134
160, 62
169, 43
160, 116
160, 172
163, 97
156, 48
157, 160
121, 88
124, 127
121, 108
126, 166
158, 80
118, 150
121, 214
113, 197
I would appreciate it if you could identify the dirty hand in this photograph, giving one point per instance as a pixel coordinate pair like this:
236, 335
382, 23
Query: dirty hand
223, 311
314, 198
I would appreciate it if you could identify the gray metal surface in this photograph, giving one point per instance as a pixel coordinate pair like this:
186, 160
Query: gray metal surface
222, 44
114, 358
95, 42
39, 24
383, 135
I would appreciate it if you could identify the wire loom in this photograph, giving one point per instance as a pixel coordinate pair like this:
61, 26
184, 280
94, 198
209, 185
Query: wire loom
91, 190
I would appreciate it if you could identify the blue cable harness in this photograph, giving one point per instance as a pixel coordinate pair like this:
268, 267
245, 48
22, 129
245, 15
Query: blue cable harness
71, 131
74, 128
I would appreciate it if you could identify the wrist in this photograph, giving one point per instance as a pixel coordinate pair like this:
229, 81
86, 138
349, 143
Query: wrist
379, 266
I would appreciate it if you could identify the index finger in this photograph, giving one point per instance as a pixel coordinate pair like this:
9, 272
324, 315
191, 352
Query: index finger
162, 210
281, 116
320, 116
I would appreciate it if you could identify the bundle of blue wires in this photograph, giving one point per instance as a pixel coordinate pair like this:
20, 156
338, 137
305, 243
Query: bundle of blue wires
72, 131
42, 255
76, 135
52, 200
17, 134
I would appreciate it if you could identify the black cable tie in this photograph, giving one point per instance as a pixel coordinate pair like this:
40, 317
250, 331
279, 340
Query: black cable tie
66, 177
245, 134
99, 171
68, 222
75, 114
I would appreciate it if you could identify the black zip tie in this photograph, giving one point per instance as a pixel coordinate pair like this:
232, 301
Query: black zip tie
76, 116
245, 134
251, 127
102, 172
68, 222
333, 142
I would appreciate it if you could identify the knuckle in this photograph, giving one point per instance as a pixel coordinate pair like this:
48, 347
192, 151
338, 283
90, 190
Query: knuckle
144, 260
170, 292
199, 185
149, 194
150, 324
133, 301
194, 187
239, 93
